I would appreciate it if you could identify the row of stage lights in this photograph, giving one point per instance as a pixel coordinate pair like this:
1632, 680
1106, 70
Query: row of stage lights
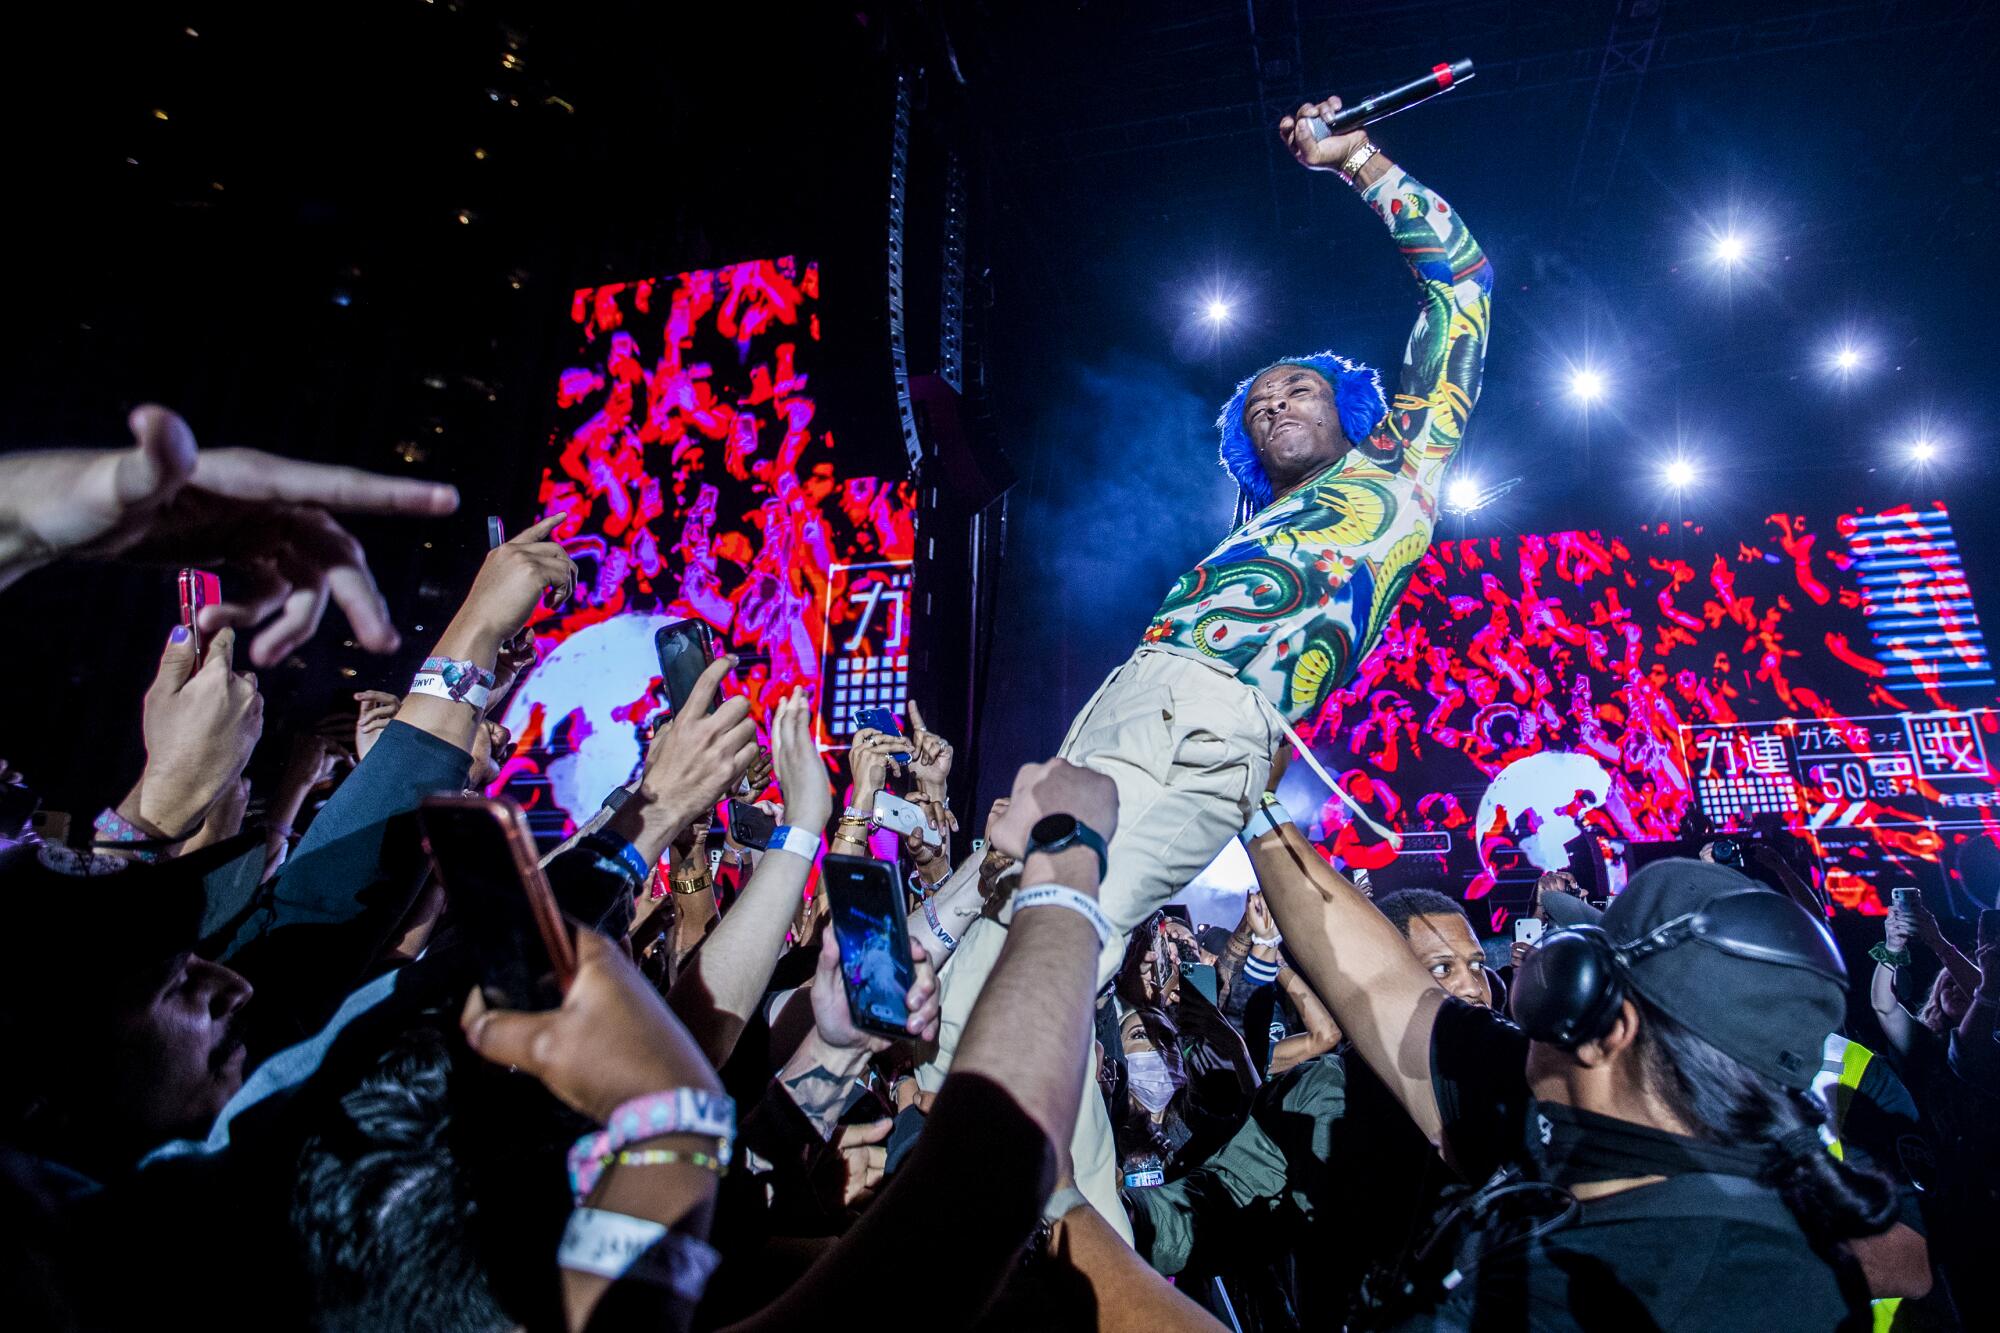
1589, 384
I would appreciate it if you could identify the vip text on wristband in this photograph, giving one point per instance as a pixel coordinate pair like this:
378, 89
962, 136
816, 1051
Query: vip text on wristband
937, 926
1058, 895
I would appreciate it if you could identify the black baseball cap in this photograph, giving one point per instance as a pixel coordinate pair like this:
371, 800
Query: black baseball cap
82, 921
1741, 966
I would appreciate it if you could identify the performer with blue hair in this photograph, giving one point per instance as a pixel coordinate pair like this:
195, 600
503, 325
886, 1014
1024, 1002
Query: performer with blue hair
1340, 497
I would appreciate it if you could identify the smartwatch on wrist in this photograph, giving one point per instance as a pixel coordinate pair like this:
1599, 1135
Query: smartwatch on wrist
1059, 833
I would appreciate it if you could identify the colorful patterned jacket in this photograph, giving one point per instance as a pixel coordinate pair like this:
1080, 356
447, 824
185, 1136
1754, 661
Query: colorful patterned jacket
1299, 594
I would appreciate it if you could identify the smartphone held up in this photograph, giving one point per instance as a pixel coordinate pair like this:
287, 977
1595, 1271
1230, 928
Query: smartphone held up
198, 588
496, 893
868, 923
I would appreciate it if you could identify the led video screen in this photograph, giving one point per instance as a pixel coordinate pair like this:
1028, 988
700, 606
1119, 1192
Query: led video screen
697, 478
1820, 673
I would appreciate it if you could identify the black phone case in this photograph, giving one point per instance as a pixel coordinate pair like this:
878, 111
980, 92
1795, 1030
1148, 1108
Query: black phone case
685, 648
749, 826
899, 932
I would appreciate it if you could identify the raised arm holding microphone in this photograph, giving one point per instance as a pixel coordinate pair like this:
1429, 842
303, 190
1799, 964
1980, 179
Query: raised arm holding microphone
1342, 487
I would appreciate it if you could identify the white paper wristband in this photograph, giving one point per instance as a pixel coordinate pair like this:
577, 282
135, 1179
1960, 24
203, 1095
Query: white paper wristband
1057, 895
798, 841
604, 1243
1268, 817
433, 684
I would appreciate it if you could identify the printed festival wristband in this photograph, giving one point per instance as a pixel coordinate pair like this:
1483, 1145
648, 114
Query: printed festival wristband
452, 667
677, 1111
607, 1244
937, 926
463, 692
800, 842
1057, 895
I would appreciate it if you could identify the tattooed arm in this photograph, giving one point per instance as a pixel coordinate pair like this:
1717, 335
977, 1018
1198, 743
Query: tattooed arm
823, 1080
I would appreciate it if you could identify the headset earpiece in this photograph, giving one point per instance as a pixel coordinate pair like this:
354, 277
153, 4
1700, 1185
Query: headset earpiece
1569, 989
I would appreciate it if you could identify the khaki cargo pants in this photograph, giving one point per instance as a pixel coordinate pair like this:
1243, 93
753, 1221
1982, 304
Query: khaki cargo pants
1190, 748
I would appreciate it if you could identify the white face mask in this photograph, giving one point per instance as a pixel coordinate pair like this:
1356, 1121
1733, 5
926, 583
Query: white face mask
1146, 1074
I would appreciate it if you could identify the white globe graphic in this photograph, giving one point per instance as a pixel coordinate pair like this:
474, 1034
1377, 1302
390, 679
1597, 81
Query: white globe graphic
1528, 800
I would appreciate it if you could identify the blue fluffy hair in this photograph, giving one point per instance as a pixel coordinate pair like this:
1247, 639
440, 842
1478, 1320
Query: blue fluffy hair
1357, 398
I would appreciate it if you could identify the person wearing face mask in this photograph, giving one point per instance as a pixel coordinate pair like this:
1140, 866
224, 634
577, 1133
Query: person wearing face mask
1182, 1082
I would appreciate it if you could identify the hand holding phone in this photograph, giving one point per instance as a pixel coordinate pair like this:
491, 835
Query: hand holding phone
869, 948
751, 825
893, 812
1527, 930
495, 891
198, 588
612, 1038
685, 648
884, 721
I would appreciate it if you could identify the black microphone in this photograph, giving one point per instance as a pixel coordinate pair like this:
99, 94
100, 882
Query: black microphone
1381, 106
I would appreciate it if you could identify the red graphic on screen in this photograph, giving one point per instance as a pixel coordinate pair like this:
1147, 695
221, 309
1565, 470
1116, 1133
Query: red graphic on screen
697, 480
1532, 688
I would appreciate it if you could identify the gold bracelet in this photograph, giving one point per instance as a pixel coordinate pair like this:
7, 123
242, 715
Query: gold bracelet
1363, 153
669, 1157
691, 885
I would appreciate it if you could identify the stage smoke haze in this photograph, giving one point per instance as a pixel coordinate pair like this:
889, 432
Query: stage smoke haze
1126, 495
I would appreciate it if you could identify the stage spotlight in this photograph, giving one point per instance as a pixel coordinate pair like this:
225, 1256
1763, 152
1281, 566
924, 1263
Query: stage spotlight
1730, 249
1217, 311
1847, 359
1462, 494
1586, 385
1922, 450
1679, 474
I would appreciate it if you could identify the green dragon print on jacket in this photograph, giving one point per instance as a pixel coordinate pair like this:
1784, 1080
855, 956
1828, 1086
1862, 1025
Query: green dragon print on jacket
1294, 598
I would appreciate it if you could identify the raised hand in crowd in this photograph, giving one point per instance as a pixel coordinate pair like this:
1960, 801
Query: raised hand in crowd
378, 710
820, 1075
691, 762
612, 1041
200, 726
1055, 786
224, 819
515, 656
512, 580
870, 764
1923, 926
930, 765
723, 984
314, 757
267, 519
795, 758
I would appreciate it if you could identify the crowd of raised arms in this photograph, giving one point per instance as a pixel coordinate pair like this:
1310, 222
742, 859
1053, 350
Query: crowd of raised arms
270, 1085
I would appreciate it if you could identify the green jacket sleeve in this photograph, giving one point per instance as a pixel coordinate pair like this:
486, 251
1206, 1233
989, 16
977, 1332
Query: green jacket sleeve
1252, 1169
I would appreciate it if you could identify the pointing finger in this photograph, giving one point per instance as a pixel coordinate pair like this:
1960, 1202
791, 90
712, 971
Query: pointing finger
251, 474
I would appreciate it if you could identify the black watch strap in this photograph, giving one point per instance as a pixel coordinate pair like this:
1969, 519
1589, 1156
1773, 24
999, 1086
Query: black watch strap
1080, 835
